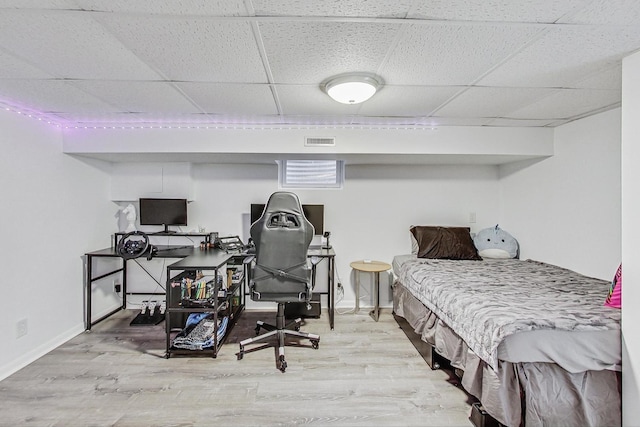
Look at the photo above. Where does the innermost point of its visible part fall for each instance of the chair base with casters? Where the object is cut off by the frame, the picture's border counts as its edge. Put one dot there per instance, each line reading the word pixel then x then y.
pixel 281 331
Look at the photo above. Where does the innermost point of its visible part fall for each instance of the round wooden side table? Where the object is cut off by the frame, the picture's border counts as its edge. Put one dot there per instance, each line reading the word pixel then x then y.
pixel 375 267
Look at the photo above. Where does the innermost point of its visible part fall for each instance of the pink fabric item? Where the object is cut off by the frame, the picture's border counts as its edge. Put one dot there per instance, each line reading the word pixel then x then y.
pixel 614 299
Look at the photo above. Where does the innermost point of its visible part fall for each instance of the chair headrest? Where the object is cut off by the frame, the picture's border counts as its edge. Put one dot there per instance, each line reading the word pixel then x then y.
pixel 283 202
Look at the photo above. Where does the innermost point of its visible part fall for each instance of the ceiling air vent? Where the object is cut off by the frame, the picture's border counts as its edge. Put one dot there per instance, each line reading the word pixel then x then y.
pixel 319 142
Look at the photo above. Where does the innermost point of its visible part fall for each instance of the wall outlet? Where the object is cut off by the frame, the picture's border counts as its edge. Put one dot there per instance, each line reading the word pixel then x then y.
pixel 472 217
pixel 22 327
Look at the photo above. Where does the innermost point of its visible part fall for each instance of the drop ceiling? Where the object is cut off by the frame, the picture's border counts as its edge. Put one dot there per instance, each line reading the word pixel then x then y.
pixel 536 63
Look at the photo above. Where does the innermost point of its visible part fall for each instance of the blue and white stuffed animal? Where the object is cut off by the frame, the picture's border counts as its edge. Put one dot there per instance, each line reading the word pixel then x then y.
pixel 494 242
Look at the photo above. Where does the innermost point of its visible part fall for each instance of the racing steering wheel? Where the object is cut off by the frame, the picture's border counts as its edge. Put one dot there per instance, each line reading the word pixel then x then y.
pixel 133 245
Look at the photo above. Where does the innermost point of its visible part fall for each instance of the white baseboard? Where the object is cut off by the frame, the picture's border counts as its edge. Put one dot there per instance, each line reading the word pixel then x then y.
pixel 33 355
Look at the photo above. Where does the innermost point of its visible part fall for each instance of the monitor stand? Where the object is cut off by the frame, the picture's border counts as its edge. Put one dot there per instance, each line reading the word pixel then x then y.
pixel 163 232
pixel 167 231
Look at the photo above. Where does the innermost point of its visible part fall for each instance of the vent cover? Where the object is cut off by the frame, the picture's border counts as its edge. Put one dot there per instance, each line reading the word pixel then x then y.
pixel 319 141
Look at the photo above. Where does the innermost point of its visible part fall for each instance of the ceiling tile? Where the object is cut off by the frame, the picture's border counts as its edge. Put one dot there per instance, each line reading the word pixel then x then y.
pixel 390 105
pixel 310 52
pixel 155 7
pixel 192 49
pixel 51 96
pixel 64 45
pixel 384 121
pixel 353 8
pixel 569 103
pixel 416 101
pixel 504 122
pixel 146 97
pixel 453 121
pixel 565 55
pixel 439 54
pixel 496 10
pixel 39 4
pixel 308 100
pixel 15 68
pixel 608 12
pixel 232 99
pixel 608 78
pixel 490 101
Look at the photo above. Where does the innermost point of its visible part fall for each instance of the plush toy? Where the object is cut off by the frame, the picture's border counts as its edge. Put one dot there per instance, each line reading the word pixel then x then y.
pixel 614 299
pixel 494 242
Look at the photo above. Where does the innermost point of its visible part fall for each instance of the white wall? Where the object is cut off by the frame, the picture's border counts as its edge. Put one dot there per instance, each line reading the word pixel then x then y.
pixel 55 208
pixel 630 239
pixel 161 180
pixel 566 209
pixel 368 218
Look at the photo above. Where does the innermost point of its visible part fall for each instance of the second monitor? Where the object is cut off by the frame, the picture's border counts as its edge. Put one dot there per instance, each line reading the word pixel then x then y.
pixel 314 213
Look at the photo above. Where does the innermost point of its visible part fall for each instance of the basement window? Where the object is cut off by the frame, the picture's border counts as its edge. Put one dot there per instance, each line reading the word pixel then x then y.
pixel 310 174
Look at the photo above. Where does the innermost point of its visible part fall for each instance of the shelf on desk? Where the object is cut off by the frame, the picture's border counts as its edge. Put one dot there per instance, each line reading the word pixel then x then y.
pixel 171 233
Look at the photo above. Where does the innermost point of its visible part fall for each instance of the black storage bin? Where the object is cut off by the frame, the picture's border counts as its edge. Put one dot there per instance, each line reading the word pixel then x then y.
pixel 293 310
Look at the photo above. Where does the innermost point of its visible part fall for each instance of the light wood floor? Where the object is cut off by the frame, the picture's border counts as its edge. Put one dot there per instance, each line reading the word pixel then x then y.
pixel 364 374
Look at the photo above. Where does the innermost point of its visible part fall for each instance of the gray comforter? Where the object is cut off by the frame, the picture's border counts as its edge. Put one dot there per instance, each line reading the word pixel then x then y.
pixel 486 301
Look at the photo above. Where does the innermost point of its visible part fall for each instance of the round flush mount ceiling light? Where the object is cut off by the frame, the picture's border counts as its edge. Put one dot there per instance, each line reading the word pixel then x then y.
pixel 352 88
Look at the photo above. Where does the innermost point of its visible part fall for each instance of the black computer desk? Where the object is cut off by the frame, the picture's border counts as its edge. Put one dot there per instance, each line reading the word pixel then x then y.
pixel 180 251
pixel 169 251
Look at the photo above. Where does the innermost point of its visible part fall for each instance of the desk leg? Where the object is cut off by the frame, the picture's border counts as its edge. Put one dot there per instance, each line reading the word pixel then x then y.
pixel 357 274
pixel 375 313
pixel 331 291
pixel 167 318
pixel 89 286
pixel 87 308
pixel 313 276
pixel 124 284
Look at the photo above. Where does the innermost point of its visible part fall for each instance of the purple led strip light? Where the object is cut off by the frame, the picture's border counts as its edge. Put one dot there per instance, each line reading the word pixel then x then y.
pixel 227 125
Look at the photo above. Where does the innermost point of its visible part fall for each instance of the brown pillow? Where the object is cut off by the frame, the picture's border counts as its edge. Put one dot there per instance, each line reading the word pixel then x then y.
pixel 445 243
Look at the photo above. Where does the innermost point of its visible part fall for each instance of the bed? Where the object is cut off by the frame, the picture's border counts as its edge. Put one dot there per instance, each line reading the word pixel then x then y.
pixel 531 341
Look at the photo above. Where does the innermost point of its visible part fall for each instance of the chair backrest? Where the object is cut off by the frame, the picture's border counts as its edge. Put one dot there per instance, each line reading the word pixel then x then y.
pixel 282 236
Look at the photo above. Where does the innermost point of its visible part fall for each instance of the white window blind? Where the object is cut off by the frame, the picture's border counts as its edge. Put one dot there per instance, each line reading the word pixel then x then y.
pixel 311 173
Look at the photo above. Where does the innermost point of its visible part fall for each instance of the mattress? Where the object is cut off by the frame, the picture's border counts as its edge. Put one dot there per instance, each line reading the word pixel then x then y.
pixel 594 340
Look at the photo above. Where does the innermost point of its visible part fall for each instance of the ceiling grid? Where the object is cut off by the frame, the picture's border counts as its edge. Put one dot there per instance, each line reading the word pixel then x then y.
pixel 539 63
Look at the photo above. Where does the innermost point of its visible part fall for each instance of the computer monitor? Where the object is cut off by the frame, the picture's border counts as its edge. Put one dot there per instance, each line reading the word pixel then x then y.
pixel 313 213
pixel 163 212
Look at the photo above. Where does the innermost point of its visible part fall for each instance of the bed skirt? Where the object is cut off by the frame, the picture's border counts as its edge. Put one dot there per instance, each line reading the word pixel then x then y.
pixel 531 394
